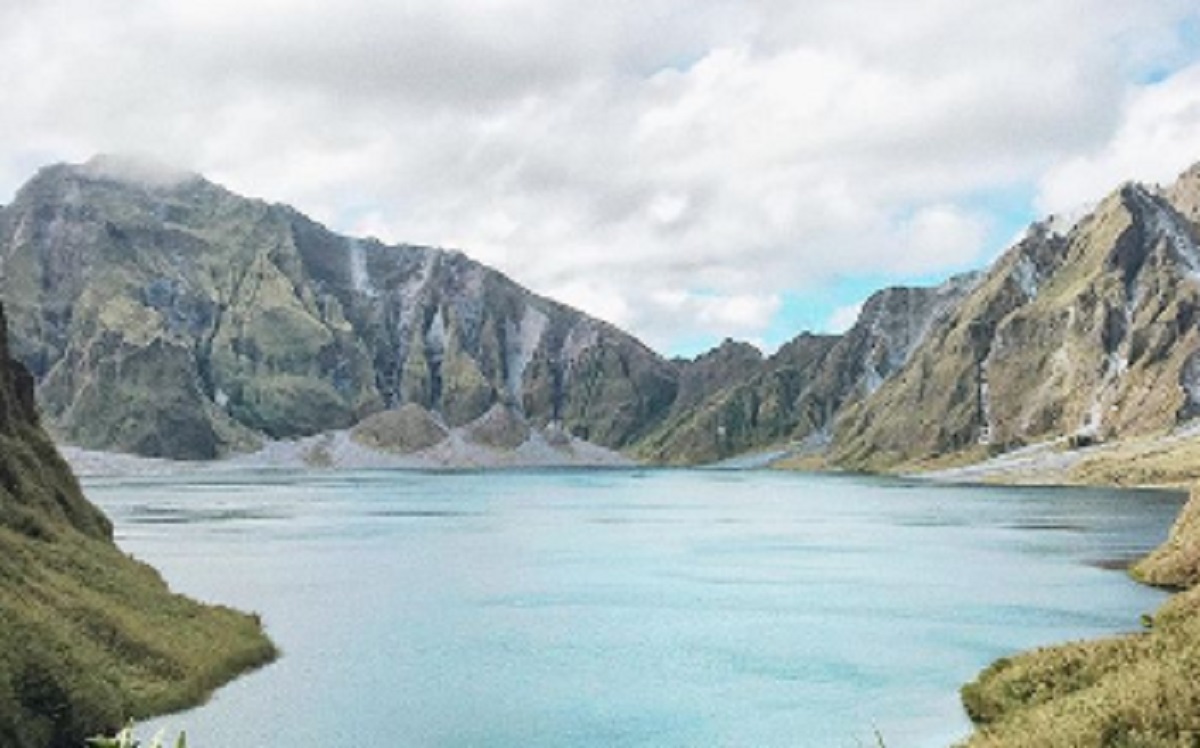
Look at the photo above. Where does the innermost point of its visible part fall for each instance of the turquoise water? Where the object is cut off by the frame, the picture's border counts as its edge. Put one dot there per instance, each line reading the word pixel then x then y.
pixel 628 608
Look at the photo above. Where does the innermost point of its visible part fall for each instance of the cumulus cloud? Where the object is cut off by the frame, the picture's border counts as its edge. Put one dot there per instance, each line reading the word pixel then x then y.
pixel 843 318
pixel 1158 136
pixel 673 166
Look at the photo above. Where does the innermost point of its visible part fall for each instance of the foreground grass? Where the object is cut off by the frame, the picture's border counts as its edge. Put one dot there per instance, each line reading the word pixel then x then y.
pixel 1140 690
pixel 1164 460
pixel 91 637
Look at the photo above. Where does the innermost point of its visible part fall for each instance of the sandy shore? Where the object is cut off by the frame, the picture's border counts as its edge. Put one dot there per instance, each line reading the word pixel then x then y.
pixel 339 451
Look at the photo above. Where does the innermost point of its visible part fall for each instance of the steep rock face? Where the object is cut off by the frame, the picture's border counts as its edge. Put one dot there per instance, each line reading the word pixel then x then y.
pixel 166 316
pixel 757 412
pixel 730 363
pixel 37 490
pixel 1089 332
pixel 91 637
pixel 795 394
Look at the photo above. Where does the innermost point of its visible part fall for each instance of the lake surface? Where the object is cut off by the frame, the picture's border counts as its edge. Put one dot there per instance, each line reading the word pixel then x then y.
pixel 628 608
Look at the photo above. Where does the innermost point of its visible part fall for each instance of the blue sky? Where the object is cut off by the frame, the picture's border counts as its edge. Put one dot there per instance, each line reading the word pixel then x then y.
pixel 687 169
pixel 1010 211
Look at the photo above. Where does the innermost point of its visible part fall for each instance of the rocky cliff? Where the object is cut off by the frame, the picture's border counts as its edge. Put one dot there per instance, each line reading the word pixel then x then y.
pixel 1085 332
pixel 165 316
pixel 91 637
pixel 793 397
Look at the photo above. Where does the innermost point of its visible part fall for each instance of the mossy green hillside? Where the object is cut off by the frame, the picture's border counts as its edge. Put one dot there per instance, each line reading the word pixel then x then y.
pixel 91 637
pixel 1085 333
pixel 171 318
pixel 1136 690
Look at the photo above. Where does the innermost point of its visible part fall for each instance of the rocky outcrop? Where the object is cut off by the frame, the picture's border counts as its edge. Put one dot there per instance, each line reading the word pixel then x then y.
pixel 91 637
pixel 170 317
pixel 407 429
pixel 502 427
pixel 1176 563
pixel 1087 333
pixel 163 315
pixel 1139 689
pixel 792 398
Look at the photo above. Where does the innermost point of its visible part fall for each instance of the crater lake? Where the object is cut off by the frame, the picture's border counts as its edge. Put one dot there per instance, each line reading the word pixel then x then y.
pixel 663 608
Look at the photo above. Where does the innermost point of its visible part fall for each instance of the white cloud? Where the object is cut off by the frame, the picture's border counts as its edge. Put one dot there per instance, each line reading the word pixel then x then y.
pixel 730 151
pixel 1158 136
pixel 843 318
pixel 678 313
pixel 940 235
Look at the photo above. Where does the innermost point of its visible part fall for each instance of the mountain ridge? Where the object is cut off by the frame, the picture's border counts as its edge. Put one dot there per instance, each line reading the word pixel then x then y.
pixel 261 322
pixel 249 322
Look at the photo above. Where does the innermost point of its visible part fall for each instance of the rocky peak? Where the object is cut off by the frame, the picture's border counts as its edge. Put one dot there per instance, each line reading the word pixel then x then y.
pixel 1184 194
pixel 730 362
pixel 252 320
pixel 1087 331
pixel 1161 228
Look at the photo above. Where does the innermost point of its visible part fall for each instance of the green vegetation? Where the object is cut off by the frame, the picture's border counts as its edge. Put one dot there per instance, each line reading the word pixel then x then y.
pixel 1136 690
pixel 91 636
pixel 176 319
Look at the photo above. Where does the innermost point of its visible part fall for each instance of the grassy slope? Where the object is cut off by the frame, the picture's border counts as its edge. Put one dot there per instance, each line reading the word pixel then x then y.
pixel 90 636
pixel 1136 690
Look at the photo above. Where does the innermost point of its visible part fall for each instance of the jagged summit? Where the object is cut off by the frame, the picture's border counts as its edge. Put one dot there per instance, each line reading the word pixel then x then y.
pixel 164 315
pixel 1088 334
pixel 183 320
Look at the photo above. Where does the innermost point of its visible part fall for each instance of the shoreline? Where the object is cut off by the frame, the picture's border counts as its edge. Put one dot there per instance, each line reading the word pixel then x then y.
pixel 992 717
pixel 339 450
pixel 1133 689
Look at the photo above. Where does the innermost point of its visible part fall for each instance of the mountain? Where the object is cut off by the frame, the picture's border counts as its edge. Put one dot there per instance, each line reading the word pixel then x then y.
pixel 1087 332
pixel 166 316
pixel 91 636
pixel 795 395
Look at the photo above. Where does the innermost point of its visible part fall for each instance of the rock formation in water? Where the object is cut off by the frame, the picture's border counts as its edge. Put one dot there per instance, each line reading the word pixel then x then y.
pixel 90 636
